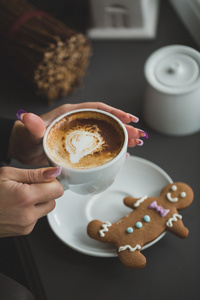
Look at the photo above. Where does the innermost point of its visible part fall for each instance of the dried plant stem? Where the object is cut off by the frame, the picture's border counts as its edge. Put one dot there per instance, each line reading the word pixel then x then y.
pixel 51 56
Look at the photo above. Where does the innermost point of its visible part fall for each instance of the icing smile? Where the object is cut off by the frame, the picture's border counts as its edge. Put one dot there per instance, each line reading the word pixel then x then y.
pixel 170 198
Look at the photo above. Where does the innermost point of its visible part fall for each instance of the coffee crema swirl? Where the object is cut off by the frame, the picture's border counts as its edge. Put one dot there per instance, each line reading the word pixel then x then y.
pixel 84 140
pixel 80 143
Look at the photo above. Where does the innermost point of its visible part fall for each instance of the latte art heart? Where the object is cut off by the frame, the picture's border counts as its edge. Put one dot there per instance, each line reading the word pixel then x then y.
pixel 82 143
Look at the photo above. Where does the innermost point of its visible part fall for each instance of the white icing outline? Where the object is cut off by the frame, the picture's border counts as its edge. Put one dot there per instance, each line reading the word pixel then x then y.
pixel 131 249
pixel 173 219
pixel 139 201
pixel 105 228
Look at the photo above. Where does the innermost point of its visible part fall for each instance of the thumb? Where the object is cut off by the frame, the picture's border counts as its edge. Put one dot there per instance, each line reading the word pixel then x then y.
pixel 33 123
pixel 34 175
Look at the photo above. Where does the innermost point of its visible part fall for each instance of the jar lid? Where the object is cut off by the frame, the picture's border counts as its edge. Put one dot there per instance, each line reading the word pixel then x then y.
pixel 174 69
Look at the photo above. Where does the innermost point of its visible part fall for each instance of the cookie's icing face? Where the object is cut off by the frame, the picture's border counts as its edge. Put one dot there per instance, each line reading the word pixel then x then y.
pixel 172 198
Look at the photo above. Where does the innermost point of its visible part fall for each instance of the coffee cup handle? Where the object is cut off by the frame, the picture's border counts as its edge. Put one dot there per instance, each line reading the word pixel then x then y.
pixel 62 181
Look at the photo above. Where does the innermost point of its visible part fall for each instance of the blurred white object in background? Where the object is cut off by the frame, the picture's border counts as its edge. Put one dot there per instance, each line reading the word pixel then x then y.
pixel 123 19
pixel 189 12
pixel 172 98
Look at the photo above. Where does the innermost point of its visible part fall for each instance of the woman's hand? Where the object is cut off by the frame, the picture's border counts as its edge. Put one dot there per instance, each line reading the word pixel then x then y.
pixel 26 137
pixel 26 196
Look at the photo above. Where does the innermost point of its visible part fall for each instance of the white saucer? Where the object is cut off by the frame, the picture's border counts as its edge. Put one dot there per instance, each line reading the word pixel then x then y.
pixel 73 212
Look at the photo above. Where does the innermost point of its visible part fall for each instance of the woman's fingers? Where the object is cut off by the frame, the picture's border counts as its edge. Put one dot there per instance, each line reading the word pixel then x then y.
pixel 135 135
pixel 33 123
pixel 120 114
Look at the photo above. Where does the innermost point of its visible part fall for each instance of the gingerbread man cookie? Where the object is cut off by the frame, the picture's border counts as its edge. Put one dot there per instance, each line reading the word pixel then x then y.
pixel 151 216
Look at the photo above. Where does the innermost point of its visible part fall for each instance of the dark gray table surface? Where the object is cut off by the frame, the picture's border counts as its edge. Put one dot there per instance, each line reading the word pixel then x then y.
pixel 115 76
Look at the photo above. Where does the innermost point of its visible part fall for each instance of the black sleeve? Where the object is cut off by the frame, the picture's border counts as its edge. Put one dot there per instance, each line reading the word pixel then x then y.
pixel 6 126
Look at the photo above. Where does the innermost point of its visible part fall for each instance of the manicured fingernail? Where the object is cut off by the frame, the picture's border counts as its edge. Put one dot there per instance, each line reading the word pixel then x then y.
pixel 139 142
pixel 143 134
pixel 127 155
pixel 51 172
pixel 20 114
pixel 134 119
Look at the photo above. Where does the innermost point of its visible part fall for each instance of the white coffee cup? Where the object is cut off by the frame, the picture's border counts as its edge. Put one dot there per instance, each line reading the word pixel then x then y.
pixel 93 180
pixel 172 94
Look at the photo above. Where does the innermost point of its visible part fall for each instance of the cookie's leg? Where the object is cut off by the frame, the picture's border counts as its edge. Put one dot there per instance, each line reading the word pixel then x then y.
pixel 131 257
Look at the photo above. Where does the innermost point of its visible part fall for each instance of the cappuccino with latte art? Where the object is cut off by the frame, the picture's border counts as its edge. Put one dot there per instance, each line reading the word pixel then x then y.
pixel 85 140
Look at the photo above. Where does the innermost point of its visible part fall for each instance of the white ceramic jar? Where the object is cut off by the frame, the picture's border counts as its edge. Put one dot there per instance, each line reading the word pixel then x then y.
pixel 172 96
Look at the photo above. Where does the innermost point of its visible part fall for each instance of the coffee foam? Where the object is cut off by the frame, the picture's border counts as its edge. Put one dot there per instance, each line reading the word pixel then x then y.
pixel 80 143
pixel 85 140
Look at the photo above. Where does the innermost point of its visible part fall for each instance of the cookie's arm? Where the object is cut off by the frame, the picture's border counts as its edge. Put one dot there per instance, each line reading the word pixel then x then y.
pixel 176 226
pixel 100 231
pixel 134 202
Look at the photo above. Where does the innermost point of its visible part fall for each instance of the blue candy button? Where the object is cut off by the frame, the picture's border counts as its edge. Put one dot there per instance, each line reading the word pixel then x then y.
pixel 147 218
pixel 138 225
pixel 129 230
